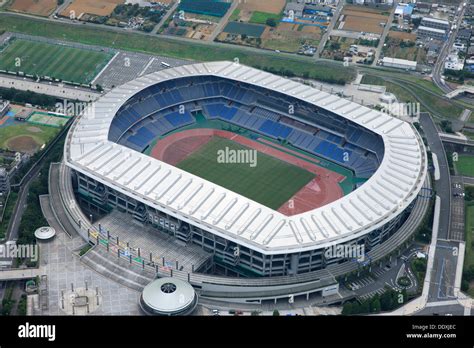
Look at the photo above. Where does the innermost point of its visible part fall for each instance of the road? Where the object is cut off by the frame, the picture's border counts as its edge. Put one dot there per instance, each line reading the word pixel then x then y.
pixel 60 91
pixel 444 51
pixel 325 36
pixel 386 29
pixel 445 258
pixel 165 18
pixel 220 26
pixel 20 206
pixel 443 185
pixel 467 180
pixel 60 8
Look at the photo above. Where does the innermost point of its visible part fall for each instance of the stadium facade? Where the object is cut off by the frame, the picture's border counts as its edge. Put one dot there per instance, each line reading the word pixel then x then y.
pixel 104 150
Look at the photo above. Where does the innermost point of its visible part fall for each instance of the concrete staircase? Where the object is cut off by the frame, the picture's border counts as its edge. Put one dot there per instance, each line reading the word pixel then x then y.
pixel 119 271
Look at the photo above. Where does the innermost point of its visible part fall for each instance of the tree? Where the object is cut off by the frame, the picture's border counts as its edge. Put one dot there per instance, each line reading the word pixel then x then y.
pixel 469 190
pixel 276 313
pixel 347 309
pixel 464 285
pixel 375 304
pixel 271 22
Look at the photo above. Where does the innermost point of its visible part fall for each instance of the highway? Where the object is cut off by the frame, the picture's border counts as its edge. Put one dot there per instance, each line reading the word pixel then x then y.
pixel 441 288
pixel 443 185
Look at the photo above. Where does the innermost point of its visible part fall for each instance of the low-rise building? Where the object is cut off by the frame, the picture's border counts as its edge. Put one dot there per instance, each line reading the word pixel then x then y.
pixel 431 33
pixel 399 63
pixel 435 23
pixel 464 34
pixel 4 181
pixel 4 107
pixel 453 62
pixel 423 7
pixel 294 8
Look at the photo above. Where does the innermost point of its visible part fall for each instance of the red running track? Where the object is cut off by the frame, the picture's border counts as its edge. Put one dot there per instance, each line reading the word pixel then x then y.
pixel 322 190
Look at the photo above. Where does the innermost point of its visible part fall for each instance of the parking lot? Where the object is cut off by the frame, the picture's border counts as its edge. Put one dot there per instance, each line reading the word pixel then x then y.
pixel 457 210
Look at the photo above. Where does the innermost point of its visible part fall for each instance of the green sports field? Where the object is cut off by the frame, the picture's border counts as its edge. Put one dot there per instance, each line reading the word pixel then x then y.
pixel 45 119
pixel 26 137
pixel 56 61
pixel 271 182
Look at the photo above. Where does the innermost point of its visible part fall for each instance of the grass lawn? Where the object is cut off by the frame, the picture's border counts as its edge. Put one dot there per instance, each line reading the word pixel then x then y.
pixel 44 59
pixel 40 134
pixel 300 66
pixel 465 165
pixel 262 17
pixel 271 182
pixel 469 255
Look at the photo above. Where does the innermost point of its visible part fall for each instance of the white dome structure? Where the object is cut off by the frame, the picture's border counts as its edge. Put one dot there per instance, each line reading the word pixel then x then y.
pixel 168 296
pixel 45 233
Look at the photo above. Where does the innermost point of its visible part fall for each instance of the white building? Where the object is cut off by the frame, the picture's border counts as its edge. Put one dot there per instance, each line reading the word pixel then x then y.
pixel 453 62
pixel 399 63
pixel 4 107
pixel 431 33
pixel 435 23
pixel 4 181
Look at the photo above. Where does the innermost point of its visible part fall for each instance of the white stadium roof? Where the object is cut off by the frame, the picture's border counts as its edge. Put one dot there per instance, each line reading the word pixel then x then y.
pixel 386 194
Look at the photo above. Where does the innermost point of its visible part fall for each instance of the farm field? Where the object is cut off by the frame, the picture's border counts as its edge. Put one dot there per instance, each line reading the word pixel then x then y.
pixel 94 7
pixel 35 7
pixel 26 137
pixel 270 6
pixel 271 182
pixel 289 37
pixel 56 61
pixel 401 35
pixel 363 20
pixel 262 17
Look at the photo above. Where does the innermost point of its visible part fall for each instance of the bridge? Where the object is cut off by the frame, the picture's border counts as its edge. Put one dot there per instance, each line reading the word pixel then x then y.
pixel 460 90
pixel 455 139
pixel 19 273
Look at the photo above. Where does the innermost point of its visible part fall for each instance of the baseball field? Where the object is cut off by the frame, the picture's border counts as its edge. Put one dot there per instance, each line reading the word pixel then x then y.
pixel 26 137
pixel 52 60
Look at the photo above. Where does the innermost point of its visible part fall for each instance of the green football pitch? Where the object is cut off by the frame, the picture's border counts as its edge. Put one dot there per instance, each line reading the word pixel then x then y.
pixel 56 61
pixel 271 182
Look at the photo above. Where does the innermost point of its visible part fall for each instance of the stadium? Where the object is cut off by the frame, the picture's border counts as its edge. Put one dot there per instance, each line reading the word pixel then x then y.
pixel 328 171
